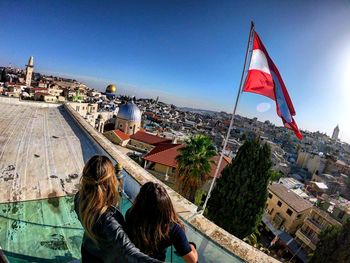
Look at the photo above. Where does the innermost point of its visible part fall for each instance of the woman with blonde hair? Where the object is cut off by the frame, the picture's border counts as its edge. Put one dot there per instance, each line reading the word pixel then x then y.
pixel 153 225
pixel 96 206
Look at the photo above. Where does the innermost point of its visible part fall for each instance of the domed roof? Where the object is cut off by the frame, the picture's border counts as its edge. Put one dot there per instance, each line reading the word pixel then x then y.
pixel 111 88
pixel 129 112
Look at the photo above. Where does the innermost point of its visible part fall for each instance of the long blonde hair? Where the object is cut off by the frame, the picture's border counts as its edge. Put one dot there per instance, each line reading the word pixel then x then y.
pixel 98 191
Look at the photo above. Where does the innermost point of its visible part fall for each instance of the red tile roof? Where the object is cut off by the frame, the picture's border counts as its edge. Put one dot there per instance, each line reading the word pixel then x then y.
pixel 165 153
pixel 225 161
pixel 148 113
pixel 149 138
pixel 123 136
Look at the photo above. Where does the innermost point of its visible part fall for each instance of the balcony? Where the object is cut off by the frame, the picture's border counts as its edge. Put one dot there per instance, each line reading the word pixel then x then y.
pixel 307 240
pixel 315 226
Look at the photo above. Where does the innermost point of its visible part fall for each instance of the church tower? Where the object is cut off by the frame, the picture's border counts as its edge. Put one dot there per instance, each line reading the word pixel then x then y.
pixel 29 71
pixel 335 133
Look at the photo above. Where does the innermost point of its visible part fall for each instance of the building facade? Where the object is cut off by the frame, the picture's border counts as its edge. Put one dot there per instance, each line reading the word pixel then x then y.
pixel 285 209
pixel 335 134
pixel 29 71
pixel 317 221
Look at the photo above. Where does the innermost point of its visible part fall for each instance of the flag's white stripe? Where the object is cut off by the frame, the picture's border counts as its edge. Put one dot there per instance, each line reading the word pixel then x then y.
pixel 259 61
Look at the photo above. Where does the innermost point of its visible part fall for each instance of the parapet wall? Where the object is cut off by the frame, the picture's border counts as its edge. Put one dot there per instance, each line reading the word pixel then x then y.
pixel 41 104
pixel 185 209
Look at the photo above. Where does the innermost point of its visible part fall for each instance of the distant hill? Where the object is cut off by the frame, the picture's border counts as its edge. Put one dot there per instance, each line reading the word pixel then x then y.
pixel 199 111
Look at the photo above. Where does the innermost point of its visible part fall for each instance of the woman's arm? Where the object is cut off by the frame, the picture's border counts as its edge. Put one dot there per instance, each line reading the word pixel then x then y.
pixel 186 250
pixel 191 257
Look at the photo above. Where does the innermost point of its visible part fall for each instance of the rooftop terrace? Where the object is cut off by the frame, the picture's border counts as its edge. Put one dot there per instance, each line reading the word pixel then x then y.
pixel 43 150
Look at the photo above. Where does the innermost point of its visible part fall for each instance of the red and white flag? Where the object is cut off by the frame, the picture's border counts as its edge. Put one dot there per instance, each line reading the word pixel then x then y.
pixel 264 78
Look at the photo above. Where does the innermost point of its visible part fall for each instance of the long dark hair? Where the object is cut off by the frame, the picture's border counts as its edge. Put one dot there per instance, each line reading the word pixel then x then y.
pixel 98 191
pixel 150 218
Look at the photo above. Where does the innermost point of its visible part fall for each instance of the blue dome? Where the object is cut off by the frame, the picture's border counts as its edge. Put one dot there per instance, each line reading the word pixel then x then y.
pixel 129 112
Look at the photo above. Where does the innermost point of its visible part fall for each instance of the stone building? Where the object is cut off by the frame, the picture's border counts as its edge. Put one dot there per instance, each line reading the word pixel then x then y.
pixel 317 221
pixel 43 96
pixel 29 71
pixel 335 134
pixel 314 163
pixel 285 209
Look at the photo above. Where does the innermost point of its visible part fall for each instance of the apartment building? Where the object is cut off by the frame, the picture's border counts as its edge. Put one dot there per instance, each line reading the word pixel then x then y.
pixel 285 209
pixel 317 221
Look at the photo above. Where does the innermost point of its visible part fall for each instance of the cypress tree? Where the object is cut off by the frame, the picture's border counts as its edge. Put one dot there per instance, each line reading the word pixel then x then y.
pixel 239 197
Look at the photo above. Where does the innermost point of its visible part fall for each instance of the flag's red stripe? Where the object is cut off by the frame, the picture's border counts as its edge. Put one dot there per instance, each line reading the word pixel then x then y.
pixel 259 82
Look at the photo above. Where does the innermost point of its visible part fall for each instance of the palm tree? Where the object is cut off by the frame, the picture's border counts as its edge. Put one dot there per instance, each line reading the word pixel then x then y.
pixel 194 165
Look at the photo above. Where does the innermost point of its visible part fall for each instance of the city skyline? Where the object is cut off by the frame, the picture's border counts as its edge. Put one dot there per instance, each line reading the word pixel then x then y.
pixel 186 50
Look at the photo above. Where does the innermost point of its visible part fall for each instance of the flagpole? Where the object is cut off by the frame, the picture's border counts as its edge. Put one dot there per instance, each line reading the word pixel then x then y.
pixel 231 123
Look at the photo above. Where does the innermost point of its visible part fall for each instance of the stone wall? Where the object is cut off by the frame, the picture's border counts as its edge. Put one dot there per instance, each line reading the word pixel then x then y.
pixel 11 100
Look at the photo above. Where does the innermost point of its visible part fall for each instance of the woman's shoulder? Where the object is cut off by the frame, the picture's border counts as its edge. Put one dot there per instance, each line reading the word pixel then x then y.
pixel 176 229
pixel 113 213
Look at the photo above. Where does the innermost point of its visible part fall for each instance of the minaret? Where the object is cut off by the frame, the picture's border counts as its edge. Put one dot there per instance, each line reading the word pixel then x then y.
pixel 29 71
pixel 335 133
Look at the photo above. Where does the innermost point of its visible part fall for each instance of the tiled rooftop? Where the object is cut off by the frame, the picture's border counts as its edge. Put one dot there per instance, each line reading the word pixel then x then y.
pixel 289 197
pixel 166 153
pixel 148 138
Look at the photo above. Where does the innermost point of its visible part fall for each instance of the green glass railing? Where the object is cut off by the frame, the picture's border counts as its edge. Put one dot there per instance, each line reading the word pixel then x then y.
pixel 44 230
pixel 48 231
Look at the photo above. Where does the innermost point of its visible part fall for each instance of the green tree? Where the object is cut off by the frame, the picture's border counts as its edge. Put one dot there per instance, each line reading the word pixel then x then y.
pixel 239 197
pixel 275 175
pixel 334 245
pixel 194 165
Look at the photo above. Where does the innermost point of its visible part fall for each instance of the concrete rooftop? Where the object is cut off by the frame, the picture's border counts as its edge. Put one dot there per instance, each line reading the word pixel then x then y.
pixel 42 151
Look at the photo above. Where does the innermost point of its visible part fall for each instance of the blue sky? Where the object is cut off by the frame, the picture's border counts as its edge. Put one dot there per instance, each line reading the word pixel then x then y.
pixel 191 52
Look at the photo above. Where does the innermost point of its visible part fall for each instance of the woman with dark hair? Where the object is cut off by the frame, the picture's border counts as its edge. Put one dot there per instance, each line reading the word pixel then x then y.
pixel 153 225
pixel 96 206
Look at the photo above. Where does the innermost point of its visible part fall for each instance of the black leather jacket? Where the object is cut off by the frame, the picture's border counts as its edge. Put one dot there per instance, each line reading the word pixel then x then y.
pixel 114 245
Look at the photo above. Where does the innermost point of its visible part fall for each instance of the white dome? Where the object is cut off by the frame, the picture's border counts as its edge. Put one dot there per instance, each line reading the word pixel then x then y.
pixel 129 112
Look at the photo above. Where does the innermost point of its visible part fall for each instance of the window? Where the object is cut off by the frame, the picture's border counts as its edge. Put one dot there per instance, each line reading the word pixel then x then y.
pixel 289 212
pixel 299 216
pixel 120 125
pixel 279 203
pixel 341 215
pixel 270 195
